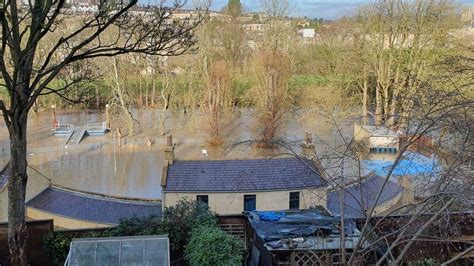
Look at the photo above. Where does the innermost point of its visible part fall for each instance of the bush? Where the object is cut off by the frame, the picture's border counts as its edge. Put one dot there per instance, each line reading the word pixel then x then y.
pixel 179 221
pixel 139 226
pixel 56 245
pixel 425 262
pixel 209 245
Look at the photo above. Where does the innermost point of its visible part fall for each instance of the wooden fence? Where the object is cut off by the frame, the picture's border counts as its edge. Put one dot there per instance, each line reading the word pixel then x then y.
pixel 36 232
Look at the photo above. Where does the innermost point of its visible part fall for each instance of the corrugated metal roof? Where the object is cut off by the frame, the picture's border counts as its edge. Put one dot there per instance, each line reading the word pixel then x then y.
pixel 88 207
pixel 242 175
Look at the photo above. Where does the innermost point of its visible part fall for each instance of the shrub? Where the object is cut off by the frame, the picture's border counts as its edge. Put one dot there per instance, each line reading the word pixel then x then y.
pixel 179 220
pixel 56 245
pixel 137 226
pixel 425 262
pixel 209 245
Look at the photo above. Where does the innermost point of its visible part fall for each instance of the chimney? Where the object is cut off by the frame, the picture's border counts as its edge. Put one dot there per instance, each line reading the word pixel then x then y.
pixel 169 158
pixel 169 150
pixel 307 147
pixel 408 196
pixel 308 151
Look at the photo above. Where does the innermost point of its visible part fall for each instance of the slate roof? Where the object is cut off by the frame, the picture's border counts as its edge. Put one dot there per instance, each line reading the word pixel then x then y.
pixel 367 191
pixel 242 175
pixel 4 176
pixel 88 207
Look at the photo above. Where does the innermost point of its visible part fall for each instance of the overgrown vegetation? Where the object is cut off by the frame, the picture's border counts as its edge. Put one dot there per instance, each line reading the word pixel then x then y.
pixel 186 223
pixel 209 245
pixel 56 245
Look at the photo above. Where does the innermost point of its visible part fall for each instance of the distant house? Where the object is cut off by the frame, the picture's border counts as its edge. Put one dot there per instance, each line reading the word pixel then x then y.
pixel 377 139
pixel 307 33
pixel 233 186
pixel 255 28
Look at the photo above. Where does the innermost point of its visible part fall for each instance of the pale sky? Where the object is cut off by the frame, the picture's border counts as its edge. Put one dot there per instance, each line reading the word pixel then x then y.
pixel 328 9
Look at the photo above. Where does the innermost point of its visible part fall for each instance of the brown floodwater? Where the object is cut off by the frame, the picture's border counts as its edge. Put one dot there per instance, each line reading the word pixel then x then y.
pixel 99 165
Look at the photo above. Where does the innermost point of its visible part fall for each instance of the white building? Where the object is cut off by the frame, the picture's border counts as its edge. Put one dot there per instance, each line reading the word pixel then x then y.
pixel 377 139
pixel 307 33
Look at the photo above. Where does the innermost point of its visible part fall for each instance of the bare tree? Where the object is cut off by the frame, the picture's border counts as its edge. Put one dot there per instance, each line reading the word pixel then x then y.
pixel 27 71
pixel 398 41
pixel 166 100
pixel 120 99
pixel 271 94
pixel 217 87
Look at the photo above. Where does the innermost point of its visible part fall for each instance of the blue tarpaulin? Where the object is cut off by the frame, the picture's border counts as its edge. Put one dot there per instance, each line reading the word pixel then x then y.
pixel 270 216
pixel 411 163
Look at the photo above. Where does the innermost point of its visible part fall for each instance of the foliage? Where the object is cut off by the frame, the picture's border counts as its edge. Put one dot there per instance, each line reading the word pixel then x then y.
pixel 56 245
pixel 234 8
pixel 209 245
pixel 179 220
pixel 425 262
pixel 299 81
pixel 271 94
pixel 137 226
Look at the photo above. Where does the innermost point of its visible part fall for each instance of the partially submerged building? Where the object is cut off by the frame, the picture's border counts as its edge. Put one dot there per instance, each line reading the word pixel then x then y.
pixel 75 210
pixel 377 139
pixel 360 197
pixel 233 186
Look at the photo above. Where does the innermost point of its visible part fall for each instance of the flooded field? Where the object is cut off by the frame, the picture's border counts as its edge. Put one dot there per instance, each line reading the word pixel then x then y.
pixel 99 165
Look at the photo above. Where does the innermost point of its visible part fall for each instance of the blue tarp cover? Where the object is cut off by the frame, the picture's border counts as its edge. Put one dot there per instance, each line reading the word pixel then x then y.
pixel 411 163
pixel 270 216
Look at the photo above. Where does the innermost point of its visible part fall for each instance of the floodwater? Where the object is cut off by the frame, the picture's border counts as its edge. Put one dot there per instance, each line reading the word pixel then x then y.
pixel 133 170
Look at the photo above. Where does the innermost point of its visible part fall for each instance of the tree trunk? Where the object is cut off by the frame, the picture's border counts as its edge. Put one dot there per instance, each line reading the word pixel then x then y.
pixel 153 94
pixel 395 94
pixel 365 89
pixel 146 92
pixel 140 96
pixel 97 97
pixel 17 233
pixel 378 106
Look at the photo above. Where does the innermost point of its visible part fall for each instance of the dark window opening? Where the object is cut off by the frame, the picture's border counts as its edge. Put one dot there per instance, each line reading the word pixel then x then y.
pixel 294 200
pixel 203 198
pixel 250 202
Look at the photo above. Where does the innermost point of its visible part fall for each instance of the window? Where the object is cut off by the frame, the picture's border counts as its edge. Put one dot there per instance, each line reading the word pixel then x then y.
pixel 250 202
pixel 294 200
pixel 203 198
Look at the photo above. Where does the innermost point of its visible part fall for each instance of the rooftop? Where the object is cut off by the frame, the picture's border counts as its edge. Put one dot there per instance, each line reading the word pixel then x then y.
pixel 242 175
pixel 92 208
pixel 362 196
pixel 301 230
pixel 129 250
pixel 411 163
pixel 380 131
pixel 4 175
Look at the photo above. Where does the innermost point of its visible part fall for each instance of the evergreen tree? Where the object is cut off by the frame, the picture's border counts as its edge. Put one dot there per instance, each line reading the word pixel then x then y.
pixel 234 8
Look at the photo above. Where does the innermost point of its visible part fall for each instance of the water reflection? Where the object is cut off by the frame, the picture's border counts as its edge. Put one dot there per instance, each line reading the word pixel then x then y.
pixel 137 172
pixel 138 166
